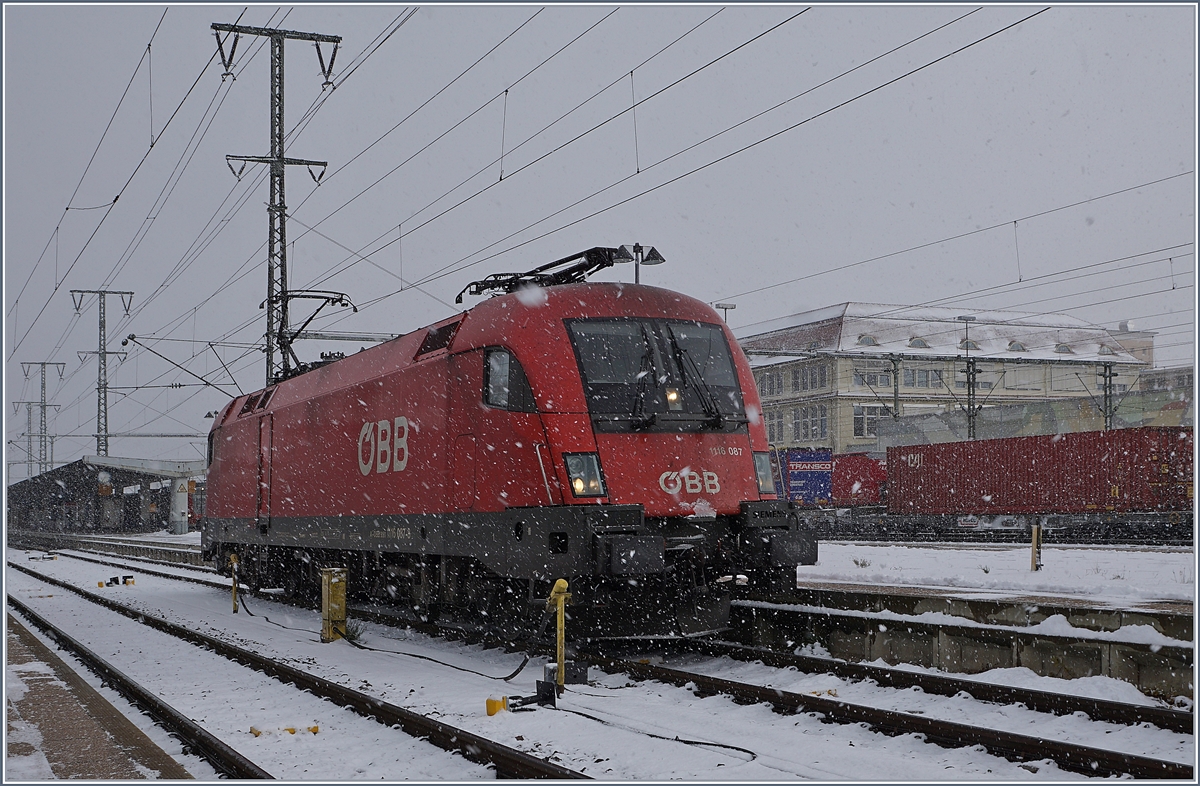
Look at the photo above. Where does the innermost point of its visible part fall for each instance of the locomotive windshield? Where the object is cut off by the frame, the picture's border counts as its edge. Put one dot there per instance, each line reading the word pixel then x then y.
pixel 657 375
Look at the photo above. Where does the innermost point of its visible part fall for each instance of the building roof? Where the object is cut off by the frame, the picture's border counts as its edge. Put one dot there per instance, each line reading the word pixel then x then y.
pixel 876 330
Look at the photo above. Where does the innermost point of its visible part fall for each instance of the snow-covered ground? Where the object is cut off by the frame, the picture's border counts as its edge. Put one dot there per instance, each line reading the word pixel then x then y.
pixel 1117 576
pixel 612 729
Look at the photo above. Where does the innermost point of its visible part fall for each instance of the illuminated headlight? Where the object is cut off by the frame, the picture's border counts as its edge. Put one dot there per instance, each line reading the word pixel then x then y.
pixel 762 468
pixel 674 401
pixel 583 471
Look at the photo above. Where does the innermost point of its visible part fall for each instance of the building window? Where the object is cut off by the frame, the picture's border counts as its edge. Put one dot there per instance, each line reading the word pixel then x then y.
pixel 922 378
pixel 865 419
pixel 1066 379
pixel 916 342
pixel 1023 377
pixel 775 427
pixel 1063 349
pixel 867 341
pixel 968 343
pixel 810 423
pixel 1016 346
pixel 873 376
pixel 770 383
pixel 812 377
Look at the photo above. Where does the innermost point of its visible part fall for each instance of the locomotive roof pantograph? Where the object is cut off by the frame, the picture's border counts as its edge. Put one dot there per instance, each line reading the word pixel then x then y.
pixel 571 269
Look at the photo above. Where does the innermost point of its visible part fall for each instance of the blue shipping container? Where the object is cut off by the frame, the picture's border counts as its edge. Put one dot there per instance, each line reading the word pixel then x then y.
pixel 809 474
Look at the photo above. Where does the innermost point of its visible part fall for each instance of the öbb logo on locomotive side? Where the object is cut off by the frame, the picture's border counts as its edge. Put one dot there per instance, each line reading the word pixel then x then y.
pixel 689 481
pixel 383 446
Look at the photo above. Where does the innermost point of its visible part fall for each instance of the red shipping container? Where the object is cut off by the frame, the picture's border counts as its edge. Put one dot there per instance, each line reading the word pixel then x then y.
pixel 858 479
pixel 1126 470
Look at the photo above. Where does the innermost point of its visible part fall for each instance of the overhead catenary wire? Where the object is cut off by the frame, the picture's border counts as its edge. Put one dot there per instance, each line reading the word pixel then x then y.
pixel 452 128
pixel 107 212
pixel 88 166
pixel 73 321
pixel 210 231
pixel 238 276
pixel 179 267
pixel 429 100
pixel 72 324
pixel 958 236
pixel 598 126
pixel 341 267
pixel 515 83
pixel 455 267
pixel 458 264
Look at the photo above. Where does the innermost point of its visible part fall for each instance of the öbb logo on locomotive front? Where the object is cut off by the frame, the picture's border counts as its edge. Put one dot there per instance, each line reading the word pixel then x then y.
pixel 689 481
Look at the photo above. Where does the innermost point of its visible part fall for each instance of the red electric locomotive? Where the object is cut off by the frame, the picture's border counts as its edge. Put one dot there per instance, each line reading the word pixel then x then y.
pixel 608 434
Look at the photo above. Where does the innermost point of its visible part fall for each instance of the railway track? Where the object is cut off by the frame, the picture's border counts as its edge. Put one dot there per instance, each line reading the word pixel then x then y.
pixel 937 684
pixel 508 762
pixel 156 551
pixel 1015 747
pixel 942 685
pixel 773 629
pixel 194 737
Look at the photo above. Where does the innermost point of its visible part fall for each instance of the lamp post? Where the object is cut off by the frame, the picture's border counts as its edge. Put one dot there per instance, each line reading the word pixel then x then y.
pixel 635 252
pixel 971 373
pixel 726 307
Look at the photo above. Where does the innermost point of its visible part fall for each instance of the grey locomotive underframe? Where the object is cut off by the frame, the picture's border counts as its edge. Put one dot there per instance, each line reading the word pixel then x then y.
pixel 542 543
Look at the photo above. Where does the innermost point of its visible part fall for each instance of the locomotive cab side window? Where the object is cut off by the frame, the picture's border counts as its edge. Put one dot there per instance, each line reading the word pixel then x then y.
pixel 505 385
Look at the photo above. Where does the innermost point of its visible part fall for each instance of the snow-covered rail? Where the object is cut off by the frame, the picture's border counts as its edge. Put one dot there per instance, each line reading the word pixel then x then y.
pixel 1017 747
pixel 222 757
pixel 1182 721
pixel 508 762
pixel 666 721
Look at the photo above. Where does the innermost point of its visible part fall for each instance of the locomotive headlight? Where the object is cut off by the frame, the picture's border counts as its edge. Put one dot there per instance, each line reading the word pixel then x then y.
pixel 762 469
pixel 674 402
pixel 583 470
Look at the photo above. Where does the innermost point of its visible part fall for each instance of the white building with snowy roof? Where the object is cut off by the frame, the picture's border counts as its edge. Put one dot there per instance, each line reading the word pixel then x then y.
pixel 828 376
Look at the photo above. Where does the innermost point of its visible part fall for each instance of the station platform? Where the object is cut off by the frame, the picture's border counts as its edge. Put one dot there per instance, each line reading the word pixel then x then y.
pixel 1007 607
pixel 57 722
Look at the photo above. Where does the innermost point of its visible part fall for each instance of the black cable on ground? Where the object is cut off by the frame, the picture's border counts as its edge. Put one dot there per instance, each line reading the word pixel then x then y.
pixel 242 598
pixel 747 751
pixel 355 644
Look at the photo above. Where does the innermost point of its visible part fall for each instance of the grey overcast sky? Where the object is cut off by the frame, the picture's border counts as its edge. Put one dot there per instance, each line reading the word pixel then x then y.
pixel 780 157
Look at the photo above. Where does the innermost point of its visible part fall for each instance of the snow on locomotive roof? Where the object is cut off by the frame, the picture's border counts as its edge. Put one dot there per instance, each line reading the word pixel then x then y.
pixel 874 329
